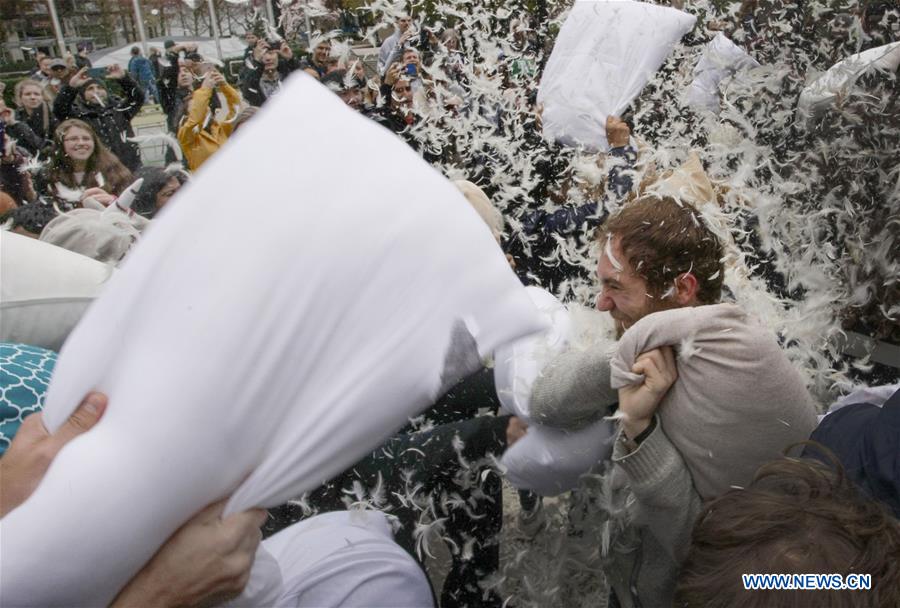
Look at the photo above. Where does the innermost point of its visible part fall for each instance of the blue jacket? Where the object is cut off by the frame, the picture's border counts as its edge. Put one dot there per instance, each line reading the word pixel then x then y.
pixel 141 70
pixel 866 439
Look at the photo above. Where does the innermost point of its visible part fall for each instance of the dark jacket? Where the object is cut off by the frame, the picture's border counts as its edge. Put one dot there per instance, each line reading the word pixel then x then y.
pixel 42 122
pixel 111 122
pixel 866 440
pixel 250 88
pixel 173 99
pixel 26 138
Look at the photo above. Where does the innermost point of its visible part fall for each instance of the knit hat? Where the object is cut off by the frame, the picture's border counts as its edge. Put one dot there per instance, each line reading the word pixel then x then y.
pixel 89 82
pixel 105 237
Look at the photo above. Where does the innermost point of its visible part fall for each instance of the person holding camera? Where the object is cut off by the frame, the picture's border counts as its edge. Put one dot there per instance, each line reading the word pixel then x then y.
pixel 273 61
pixel 200 133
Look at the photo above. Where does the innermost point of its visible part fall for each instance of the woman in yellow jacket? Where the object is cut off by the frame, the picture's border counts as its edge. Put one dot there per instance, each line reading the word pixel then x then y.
pixel 200 134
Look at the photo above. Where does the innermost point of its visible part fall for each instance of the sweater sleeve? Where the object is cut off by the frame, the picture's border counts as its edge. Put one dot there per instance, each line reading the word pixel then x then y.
pixel 234 105
pixel 195 116
pixel 668 504
pixel 573 390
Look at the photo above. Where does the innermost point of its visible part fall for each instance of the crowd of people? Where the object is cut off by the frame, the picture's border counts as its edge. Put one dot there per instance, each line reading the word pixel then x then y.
pixel 717 461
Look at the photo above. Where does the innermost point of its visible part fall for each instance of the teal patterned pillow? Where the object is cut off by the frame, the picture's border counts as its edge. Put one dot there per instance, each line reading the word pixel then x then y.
pixel 24 377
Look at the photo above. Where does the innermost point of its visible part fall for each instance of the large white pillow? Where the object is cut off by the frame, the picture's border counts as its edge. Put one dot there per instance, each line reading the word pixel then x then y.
pixel 546 460
pixel 44 290
pixel 606 52
pixel 299 300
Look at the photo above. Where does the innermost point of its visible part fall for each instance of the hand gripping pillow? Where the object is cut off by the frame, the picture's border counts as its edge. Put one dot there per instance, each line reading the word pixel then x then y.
pixel 278 322
pixel 45 290
pixel 737 403
pixel 720 58
pixel 606 52
pixel 546 460
pixel 843 75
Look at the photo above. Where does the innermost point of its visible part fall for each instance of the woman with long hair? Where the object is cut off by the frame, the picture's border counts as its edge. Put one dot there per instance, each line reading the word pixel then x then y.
pixel 81 166
pixel 34 109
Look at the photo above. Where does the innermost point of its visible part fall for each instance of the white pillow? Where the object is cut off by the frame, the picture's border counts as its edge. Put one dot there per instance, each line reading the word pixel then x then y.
pixel 275 324
pixel 606 52
pixel 45 290
pixel 842 75
pixel 347 559
pixel 519 363
pixel 720 58
pixel 551 461
pixel 546 460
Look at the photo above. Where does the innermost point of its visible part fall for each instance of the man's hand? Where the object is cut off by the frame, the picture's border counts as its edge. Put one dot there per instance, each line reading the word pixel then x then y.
pixel 212 79
pixel 617 132
pixel 115 72
pixel 515 430
pixel 207 561
pixel 80 77
pixel 638 403
pixel 259 50
pixel 393 74
pixel 33 449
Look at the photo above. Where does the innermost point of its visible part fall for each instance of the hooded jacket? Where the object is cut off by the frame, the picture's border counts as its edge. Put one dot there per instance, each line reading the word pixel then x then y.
pixel 111 122
pixel 199 143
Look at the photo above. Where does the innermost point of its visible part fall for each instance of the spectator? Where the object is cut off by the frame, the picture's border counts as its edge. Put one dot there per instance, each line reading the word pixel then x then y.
pixel 88 99
pixel 273 61
pixel 200 134
pixel 15 177
pixel 320 58
pixel 403 31
pixel 408 59
pixel 81 166
pixel 59 72
pixel 346 87
pixel 34 110
pixel 19 132
pixel 81 57
pixel 30 220
pixel 796 517
pixel 176 83
pixel 41 72
pixel 159 186
pixel 155 59
pixel 141 70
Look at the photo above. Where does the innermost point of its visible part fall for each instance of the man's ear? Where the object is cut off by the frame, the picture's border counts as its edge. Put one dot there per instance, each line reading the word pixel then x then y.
pixel 686 286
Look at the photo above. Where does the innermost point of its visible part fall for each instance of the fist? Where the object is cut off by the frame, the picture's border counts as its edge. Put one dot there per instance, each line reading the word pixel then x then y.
pixel 617 132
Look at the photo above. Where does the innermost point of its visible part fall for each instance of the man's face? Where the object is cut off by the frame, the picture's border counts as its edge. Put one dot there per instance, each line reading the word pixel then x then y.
pixel 251 39
pixel 352 97
pixel 44 65
pixel 623 294
pixel 270 59
pixel 94 93
pixel 401 93
pixel 411 56
pixel 403 23
pixel 185 78
pixel 321 52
